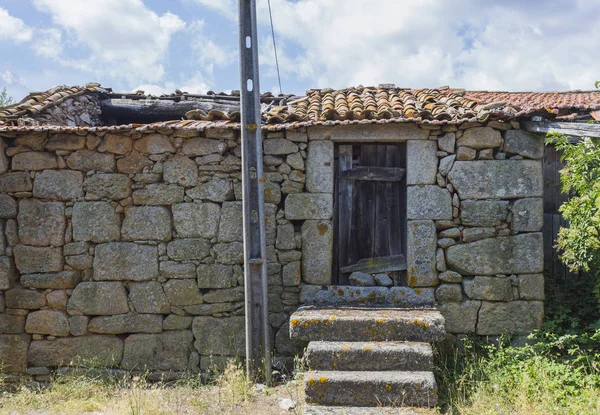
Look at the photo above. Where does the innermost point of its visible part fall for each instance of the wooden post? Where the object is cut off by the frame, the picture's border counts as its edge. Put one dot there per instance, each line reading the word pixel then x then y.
pixel 258 336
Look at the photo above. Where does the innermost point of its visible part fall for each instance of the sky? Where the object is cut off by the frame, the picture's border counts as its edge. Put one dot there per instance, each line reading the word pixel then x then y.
pixel 161 45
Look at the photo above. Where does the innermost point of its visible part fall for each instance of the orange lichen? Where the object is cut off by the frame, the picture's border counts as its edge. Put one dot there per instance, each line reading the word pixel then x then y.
pixel 367 349
pixel 417 388
pixel 388 387
pixel 381 320
pixel 417 291
pixel 295 322
pixel 322 379
pixel 311 382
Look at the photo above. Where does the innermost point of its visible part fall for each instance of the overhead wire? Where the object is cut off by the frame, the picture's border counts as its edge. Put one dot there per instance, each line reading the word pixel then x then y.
pixel 275 47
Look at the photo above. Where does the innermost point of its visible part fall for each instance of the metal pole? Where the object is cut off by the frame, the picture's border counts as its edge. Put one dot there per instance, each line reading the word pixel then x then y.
pixel 258 336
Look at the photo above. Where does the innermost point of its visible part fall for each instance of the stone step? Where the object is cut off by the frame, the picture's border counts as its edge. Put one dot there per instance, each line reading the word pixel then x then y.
pixel 367 324
pixel 370 389
pixel 370 356
pixel 357 410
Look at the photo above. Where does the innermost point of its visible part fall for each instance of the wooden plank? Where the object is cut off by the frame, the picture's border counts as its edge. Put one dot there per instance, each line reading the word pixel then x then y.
pixel 345 207
pixel 394 201
pixel 364 217
pixel 383 174
pixel 382 235
pixel 381 264
pixel 566 128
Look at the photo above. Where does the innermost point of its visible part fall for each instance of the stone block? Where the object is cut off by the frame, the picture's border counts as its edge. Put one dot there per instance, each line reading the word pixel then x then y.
pixel 285 345
pixel 95 222
pixel 428 202
pixel 497 179
pixel 33 140
pixel 361 279
pixel 116 144
pixel 295 161
pixel 34 161
pixel 8 207
pixel 219 336
pixel 125 261
pixel 134 162
pixel 448 293
pixel 175 322
pixel 172 269
pixel 196 219
pixel 57 299
pixel 7 272
pixel 58 185
pixel 446 164
pixel 87 160
pixel 405 297
pixel 488 288
pixel 519 254
pixel 528 215
pixel 181 170
pixel 229 253
pixel 94 351
pixel 188 249
pixel 461 318
pixel 65 141
pixel 371 133
pixel 230 225
pixel 56 281
pixel 215 190
pixel 111 186
pixel 319 167
pixel 279 146
pixel 465 153
pixel 154 144
pixel 450 276
pixel 531 286
pixel 447 142
pixel 480 138
pixel 167 351
pixel 33 259
pixel 421 261
pixel 13 352
pixel 159 194
pixel 47 322
pixel 80 262
pixel 183 292
pixel 227 295
pixel 203 146
pixel 11 324
pixel 317 251
pixel 15 182
pixel 25 299
pixel 286 237
pixel 515 317
pixel 215 276
pixel 292 274
pixel 76 248
pixel 524 144
pixel 383 280
pixel 303 206
pixel 147 223
pixel 78 325
pixel 272 192
pixel 98 298
pixel 149 297
pixel 421 161
pixel 484 212
pixel 41 223
pixel 475 234
pixel 4 163
pixel 126 323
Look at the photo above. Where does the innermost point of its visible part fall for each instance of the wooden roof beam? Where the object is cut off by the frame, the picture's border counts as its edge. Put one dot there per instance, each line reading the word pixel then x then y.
pixel 566 128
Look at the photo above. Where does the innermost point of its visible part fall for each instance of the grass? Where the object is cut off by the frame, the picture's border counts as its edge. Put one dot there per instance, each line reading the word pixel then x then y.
pixel 89 391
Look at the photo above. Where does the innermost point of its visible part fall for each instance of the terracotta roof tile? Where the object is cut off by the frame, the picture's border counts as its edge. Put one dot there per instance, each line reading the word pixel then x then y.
pixel 362 105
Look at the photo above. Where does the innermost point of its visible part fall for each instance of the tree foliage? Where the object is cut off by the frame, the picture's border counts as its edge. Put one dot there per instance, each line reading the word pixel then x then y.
pixel 4 98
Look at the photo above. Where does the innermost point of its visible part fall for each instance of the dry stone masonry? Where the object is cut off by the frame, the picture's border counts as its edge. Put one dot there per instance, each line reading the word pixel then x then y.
pixel 126 248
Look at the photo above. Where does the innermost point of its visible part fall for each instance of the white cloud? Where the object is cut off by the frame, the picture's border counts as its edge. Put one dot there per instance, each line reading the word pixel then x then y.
pixel 208 53
pixel 509 45
pixel 9 78
pixel 126 40
pixel 228 8
pixel 48 43
pixel 13 28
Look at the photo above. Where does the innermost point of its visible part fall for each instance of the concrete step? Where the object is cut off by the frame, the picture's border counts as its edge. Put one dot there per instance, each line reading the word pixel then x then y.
pixel 357 410
pixel 370 356
pixel 370 389
pixel 367 324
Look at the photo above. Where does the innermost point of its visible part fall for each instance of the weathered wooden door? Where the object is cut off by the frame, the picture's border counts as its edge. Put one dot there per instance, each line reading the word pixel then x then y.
pixel 371 208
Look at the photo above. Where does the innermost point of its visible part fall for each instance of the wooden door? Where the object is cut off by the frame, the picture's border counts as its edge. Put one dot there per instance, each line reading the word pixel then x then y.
pixel 371 208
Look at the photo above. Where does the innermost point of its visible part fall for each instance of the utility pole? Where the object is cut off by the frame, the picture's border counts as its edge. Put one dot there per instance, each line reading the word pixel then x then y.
pixel 258 336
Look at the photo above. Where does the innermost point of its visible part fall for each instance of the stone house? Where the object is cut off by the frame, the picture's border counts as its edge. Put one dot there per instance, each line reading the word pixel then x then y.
pixel 121 224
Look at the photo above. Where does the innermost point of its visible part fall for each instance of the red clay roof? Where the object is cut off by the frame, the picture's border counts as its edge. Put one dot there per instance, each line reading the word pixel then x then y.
pixel 364 105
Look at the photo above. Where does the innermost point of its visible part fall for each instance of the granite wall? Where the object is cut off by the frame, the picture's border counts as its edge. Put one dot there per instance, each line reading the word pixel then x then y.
pixel 125 248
